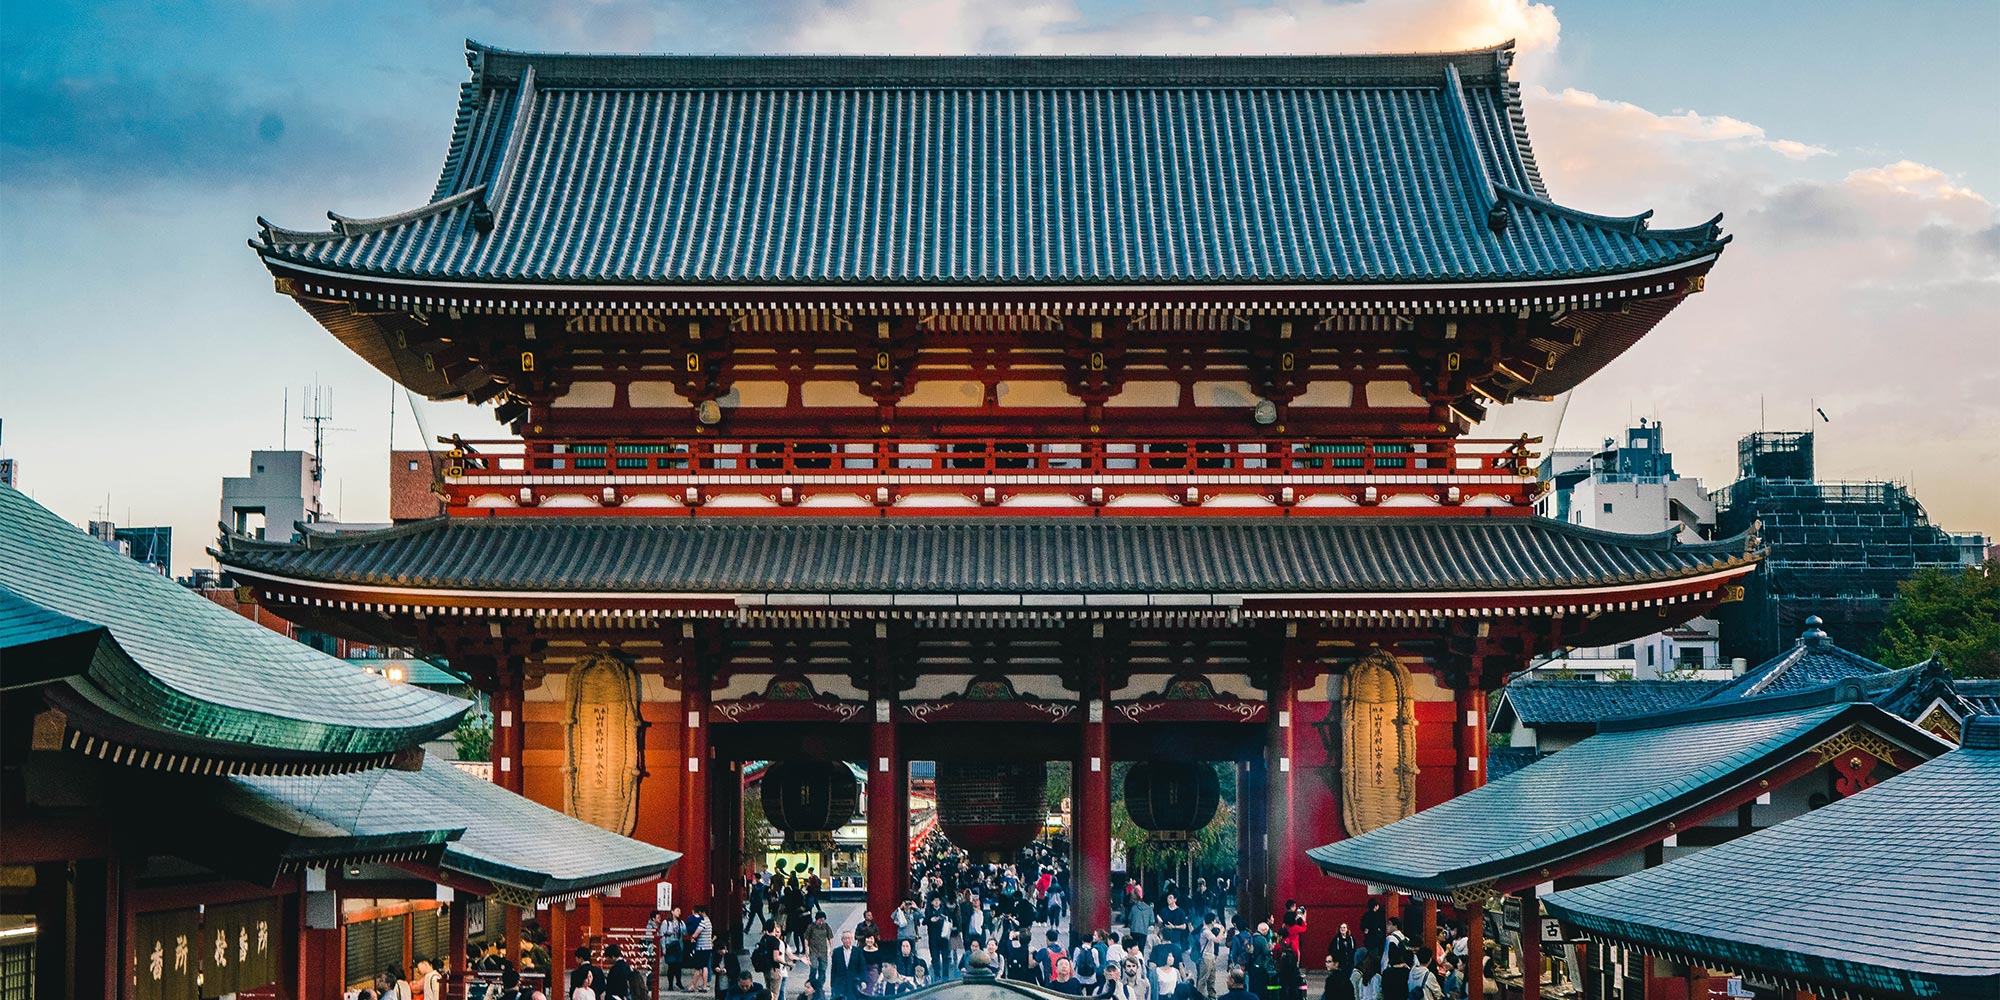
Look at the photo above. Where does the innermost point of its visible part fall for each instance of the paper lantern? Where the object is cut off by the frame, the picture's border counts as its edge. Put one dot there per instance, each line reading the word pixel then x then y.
pixel 807 800
pixel 1172 798
pixel 992 809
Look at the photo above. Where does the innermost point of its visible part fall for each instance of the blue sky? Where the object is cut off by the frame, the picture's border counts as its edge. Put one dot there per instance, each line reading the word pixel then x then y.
pixel 1855 148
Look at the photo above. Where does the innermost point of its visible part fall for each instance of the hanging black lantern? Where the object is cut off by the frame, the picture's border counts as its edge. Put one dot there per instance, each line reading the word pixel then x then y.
pixel 1172 799
pixel 992 809
pixel 807 800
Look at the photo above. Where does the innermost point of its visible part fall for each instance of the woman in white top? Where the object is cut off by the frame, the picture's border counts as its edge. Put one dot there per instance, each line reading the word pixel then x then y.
pixel 1168 975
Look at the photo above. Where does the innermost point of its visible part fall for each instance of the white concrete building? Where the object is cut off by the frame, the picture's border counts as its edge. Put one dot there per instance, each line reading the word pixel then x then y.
pixel 281 490
pixel 1631 488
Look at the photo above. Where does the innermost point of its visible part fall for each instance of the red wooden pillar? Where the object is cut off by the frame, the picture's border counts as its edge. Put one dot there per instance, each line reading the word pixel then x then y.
pixel 1475 951
pixel 508 730
pixel 559 948
pixel 1281 750
pixel 455 969
pixel 888 816
pixel 1471 765
pixel 696 874
pixel 726 864
pixel 1091 805
pixel 1531 944
pixel 510 934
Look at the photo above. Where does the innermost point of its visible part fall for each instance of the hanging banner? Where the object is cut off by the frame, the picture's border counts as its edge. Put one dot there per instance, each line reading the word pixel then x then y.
pixel 164 953
pixel 239 947
pixel 1379 744
pixel 603 736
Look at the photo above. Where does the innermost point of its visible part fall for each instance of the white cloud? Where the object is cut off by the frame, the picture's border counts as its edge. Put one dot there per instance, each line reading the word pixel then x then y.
pixel 1058 27
pixel 1875 294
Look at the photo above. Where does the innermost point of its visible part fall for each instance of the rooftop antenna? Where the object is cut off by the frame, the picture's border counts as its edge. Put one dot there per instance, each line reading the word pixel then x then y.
pixel 317 410
pixel 284 421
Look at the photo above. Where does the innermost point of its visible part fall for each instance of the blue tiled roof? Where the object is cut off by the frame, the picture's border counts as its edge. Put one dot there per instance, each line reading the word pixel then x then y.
pixel 960 555
pixel 1503 761
pixel 1983 696
pixel 507 839
pixel 179 664
pixel 1627 777
pixel 1811 662
pixel 1028 171
pixel 1586 703
pixel 1892 892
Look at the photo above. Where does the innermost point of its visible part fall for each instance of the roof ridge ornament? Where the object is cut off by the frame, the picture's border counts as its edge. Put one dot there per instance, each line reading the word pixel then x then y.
pixel 485 212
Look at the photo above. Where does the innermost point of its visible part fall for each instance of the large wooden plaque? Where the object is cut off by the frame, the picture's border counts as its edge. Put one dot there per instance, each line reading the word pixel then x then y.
pixel 1379 740
pixel 604 763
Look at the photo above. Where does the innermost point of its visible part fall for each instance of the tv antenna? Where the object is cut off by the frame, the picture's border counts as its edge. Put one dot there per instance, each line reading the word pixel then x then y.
pixel 316 408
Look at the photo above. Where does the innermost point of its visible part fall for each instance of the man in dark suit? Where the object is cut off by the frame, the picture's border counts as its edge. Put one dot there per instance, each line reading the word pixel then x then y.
pixel 844 969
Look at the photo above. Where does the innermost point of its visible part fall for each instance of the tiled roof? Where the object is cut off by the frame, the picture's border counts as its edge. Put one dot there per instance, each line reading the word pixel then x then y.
pixel 1586 703
pixel 178 664
pixel 508 839
pixel 1629 776
pixel 1025 171
pixel 1892 892
pixel 985 555
pixel 1812 662
pixel 1983 696
pixel 1503 761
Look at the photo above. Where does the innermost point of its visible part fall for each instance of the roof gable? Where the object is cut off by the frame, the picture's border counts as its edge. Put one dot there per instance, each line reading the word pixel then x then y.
pixel 1586 703
pixel 507 839
pixel 1631 774
pixel 1930 827
pixel 778 171
pixel 179 663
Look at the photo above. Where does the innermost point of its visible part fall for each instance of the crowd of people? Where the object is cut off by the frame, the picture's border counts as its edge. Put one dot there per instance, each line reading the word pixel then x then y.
pixel 1386 964
pixel 1007 920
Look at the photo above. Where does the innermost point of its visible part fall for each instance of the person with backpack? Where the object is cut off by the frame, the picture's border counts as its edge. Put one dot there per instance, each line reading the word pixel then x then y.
pixel 1424 983
pixel 1088 963
pixel 1046 958
pixel 764 960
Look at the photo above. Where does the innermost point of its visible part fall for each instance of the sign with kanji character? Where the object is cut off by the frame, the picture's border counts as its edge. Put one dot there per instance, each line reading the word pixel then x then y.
pixel 165 944
pixel 240 946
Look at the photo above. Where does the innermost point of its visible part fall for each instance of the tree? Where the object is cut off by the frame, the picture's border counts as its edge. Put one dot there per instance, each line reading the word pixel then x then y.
pixel 474 737
pixel 1953 614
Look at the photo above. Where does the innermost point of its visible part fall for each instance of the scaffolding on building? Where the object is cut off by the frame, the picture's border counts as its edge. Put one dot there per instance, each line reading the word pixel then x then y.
pixel 1838 550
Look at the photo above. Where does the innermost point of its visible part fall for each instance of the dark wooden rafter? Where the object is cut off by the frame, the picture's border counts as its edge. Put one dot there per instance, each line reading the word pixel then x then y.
pixel 489 653
pixel 705 369
pixel 1281 358
pixel 886 355
pixel 1094 350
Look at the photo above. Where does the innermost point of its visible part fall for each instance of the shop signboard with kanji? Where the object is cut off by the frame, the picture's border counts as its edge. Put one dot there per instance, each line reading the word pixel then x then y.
pixel 239 947
pixel 165 946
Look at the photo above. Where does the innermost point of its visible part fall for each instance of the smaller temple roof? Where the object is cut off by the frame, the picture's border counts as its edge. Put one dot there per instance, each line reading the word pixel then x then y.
pixel 1539 703
pixel 1632 775
pixel 727 557
pixel 1815 662
pixel 507 840
pixel 1811 662
pixel 1891 892
pixel 1983 696
pixel 152 666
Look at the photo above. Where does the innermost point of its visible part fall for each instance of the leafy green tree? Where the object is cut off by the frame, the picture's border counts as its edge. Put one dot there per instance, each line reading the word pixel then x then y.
pixel 1953 614
pixel 474 737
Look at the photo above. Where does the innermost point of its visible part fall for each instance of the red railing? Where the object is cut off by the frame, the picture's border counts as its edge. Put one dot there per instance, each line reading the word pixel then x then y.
pixel 517 461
